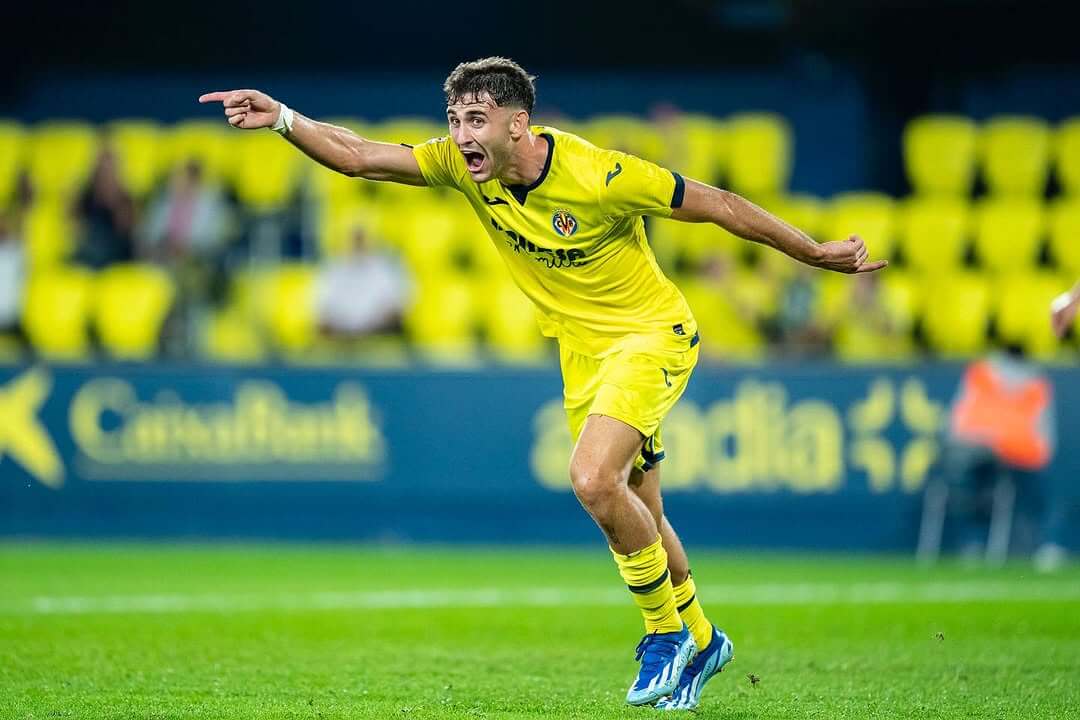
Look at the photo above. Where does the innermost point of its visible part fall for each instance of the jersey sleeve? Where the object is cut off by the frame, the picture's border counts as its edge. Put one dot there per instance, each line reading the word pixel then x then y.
pixel 440 163
pixel 632 186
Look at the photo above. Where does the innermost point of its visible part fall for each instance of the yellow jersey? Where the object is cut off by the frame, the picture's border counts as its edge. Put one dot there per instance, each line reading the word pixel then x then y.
pixel 574 240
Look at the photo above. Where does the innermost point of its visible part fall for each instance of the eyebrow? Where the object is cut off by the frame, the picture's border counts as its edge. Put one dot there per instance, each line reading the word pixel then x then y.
pixel 467 113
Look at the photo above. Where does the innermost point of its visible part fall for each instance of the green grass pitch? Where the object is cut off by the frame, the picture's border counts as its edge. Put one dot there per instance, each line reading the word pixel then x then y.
pixel 287 631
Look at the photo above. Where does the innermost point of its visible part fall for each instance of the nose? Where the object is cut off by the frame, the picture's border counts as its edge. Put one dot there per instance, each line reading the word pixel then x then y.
pixel 461 135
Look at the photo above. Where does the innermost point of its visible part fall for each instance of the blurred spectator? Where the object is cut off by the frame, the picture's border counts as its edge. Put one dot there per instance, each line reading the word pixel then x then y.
pixel 184 228
pixel 1001 437
pixel 12 270
pixel 869 328
pixel 799 332
pixel 363 292
pixel 188 219
pixel 106 213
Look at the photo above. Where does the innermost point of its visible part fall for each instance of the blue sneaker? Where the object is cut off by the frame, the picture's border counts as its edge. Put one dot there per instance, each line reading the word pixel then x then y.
pixel 663 657
pixel 709 662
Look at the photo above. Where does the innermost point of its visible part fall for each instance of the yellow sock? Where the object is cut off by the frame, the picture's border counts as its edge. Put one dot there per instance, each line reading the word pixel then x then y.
pixel 691 613
pixel 646 574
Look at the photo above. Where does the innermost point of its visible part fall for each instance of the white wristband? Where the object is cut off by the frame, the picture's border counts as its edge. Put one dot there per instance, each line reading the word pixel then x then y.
pixel 283 124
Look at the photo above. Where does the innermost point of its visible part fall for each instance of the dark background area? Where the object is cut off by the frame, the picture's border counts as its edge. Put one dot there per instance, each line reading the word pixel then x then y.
pixel 842 70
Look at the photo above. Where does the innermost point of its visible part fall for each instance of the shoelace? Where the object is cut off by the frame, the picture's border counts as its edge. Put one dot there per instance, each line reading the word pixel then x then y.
pixel 655 649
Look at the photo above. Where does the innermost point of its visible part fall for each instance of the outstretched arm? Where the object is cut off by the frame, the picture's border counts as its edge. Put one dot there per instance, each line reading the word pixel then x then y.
pixel 739 216
pixel 335 147
pixel 1063 310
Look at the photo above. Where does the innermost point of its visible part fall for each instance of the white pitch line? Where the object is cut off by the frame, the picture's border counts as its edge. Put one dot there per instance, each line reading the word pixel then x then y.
pixel 760 594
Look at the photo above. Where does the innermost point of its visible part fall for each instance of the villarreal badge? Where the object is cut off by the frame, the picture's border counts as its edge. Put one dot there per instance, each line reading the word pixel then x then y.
pixel 564 223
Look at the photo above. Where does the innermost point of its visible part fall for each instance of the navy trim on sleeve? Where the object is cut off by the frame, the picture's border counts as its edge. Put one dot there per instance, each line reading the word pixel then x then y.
pixel 680 190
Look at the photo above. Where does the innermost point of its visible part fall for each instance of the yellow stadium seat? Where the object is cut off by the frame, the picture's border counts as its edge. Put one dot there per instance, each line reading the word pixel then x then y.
pixel 940 153
pixel 231 337
pixel 695 146
pixel 1065 234
pixel 57 311
pixel 290 317
pixel 1008 233
pixel 61 157
pixel 265 172
pixel 933 232
pixel 872 216
pixel 957 313
pixel 139 153
pixel 508 319
pixel 627 133
pixel 760 157
pixel 12 150
pixel 727 331
pixel 207 142
pixel 1067 155
pixel 1016 155
pixel 131 304
pixel 442 320
pixel 1022 301
pixel 49 233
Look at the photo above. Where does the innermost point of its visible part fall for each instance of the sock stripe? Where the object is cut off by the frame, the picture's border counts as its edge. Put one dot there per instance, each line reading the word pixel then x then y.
pixel 645 589
pixel 688 603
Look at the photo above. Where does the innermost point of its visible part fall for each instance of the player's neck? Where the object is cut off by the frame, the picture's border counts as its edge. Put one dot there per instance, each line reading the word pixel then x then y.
pixel 527 164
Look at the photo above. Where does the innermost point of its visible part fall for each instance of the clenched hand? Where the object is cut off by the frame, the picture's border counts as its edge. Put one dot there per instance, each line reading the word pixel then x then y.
pixel 848 256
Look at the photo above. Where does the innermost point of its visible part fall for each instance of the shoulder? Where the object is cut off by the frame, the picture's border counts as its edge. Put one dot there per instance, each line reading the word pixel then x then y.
pixel 440 162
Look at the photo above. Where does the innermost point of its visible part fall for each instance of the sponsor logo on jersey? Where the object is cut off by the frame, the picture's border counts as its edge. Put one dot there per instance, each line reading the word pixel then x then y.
pixel 559 258
pixel 564 223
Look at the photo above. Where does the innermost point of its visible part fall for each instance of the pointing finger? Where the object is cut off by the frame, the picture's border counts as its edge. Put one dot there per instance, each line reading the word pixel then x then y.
pixel 213 97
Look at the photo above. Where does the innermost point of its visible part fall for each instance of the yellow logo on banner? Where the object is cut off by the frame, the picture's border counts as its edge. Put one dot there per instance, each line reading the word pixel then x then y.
pixel 760 440
pixel 120 433
pixel 22 436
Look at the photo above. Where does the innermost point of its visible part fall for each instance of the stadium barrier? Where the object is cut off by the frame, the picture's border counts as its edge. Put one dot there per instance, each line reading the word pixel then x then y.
pixel 818 456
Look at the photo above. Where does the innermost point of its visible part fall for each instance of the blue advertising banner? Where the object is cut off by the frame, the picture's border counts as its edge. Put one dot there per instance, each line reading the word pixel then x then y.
pixel 801 456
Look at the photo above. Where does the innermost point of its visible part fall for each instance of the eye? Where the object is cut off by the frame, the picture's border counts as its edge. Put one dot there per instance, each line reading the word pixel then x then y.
pixel 477 122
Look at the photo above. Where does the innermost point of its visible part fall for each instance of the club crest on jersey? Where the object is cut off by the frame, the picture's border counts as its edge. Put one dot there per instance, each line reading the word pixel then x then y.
pixel 564 223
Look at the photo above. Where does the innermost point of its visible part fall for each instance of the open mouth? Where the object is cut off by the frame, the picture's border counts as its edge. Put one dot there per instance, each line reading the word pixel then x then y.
pixel 473 160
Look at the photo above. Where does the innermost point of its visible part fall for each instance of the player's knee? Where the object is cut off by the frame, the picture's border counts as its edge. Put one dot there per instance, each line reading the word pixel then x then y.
pixel 594 486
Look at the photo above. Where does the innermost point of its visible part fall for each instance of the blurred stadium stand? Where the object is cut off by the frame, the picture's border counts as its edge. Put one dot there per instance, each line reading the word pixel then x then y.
pixel 978 246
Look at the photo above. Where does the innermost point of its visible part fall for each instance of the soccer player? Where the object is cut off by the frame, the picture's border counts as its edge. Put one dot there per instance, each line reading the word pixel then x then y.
pixel 566 217
pixel 1063 310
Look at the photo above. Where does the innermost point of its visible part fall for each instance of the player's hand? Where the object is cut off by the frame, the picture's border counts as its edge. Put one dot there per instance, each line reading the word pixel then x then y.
pixel 246 109
pixel 848 256
pixel 1063 310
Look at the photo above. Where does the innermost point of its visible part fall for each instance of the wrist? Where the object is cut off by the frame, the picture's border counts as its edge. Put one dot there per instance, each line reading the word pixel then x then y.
pixel 815 254
pixel 284 122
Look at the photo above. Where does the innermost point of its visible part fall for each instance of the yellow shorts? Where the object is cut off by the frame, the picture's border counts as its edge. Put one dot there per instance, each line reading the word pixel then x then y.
pixel 637 385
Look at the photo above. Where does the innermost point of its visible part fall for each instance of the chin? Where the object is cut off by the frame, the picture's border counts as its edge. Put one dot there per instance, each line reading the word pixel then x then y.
pixel 482 176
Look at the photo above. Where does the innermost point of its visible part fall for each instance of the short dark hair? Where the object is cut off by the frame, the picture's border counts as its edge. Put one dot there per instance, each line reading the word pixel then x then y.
pixel 501 78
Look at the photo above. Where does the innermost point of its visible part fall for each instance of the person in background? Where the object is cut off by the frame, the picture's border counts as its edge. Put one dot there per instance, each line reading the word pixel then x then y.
pixel 799 331
pixel 364 292
pixel 12 274
pixel 1002 427
pixel 187 220
pixel 106 215
pixel 1063 310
